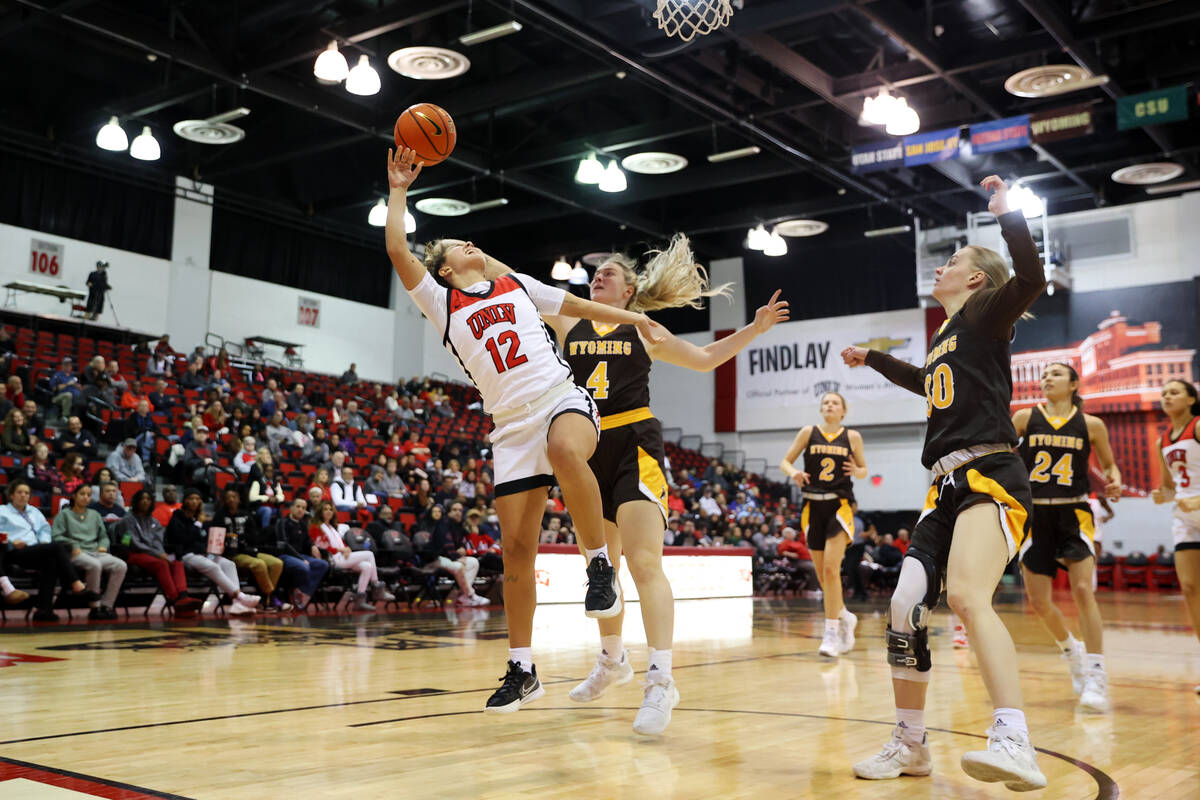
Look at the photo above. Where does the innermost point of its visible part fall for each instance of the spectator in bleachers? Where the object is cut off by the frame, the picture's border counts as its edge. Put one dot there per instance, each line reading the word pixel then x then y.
pixel 346 494
pixel 142 428
pixel 5 405
pixel 242 536
pixel 268 393
pixel 77 439
pixel 246 456
pixel 215 418
pixel 166 507
pixel 337 460
pixel 115 378
pixel 279 435
pixel 298 549
pixel 708 504
pixel 72 472
pixel 321 482
pixel 447 491
pixel 160 365
pixel 797 559
pixel 108 503
pixel 35 420
pixel 350 375
pixel 15 390
pixel 902 538
pixel 187 540
pixel 94 369
pixel 325 534
pixel 394 448
pixel 30 545
pixel 354 418
pixel 200 462
pixel 219 382
pixel 298 401
pixel 14 438
pixel 44 480
pixel 191 378
pixel 317 450
pixel 375 484
pixel 159 397
pixel 99 393
pixel 343 443
pixel 81 528
pixel 264 491
pixel 163 347
pixel 416 448
pixel 480 544
pixel 126 464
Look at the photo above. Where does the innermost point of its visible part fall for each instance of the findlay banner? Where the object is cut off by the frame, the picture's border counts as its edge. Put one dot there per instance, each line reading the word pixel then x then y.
pixel 782 375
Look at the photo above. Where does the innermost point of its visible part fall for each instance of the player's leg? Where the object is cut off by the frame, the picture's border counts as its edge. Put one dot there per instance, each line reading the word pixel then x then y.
pixel 612 667
pixel 520 519
pixel 570 442
pixel 839 622
pixel 1094 692
pixel 1187 567
pixel 641 523
pixel 1039 588
pixel 978 556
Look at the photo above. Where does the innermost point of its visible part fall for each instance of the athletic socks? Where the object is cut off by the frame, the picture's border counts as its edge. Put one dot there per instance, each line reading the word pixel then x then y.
pixel 611 646
pixel 1010 720
pixel 911 722
pixel 6 587
pixel 602 550
pixel 660 661
pixel 1066 644
pixel 1095 661
pixel 523 656
pixel 845 615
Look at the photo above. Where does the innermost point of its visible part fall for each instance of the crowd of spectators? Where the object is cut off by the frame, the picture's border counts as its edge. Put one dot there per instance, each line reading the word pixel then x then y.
pixel 382 493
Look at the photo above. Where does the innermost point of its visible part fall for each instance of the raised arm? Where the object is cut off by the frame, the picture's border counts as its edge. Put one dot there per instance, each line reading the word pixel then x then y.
pixel 1104 455
pixel 598 312
pixel 674 350
pixel 997 310
pixel 401 173
pixel 901 373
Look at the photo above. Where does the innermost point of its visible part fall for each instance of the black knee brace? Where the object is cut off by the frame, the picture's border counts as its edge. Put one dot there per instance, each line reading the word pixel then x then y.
pixel 933 576
pixel 910 649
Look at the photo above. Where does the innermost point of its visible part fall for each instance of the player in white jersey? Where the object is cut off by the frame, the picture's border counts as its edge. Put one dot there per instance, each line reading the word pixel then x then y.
pixel 1179 461
pixel 544 425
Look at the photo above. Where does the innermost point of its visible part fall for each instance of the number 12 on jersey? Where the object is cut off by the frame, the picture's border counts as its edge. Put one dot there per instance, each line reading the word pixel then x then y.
pixel 511 357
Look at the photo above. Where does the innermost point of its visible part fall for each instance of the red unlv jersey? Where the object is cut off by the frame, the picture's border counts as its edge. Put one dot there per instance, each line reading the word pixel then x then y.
pixel 495 331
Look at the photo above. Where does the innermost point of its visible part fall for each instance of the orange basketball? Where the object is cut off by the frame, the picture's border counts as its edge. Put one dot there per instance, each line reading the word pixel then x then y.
pixel 428 130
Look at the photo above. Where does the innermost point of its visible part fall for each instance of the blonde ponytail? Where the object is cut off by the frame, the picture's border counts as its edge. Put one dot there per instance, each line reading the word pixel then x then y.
pixel 670 279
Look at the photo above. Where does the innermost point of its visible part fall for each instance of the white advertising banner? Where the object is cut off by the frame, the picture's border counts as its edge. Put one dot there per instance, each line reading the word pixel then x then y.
pixel 783 373
pixel 691 576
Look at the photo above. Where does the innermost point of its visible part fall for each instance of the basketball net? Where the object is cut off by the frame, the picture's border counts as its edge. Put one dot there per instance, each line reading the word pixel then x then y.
pixel 689 18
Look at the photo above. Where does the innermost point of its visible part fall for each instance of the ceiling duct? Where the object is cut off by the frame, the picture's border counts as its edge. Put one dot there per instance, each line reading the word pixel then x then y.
pixel 214 130
pixel 1052 79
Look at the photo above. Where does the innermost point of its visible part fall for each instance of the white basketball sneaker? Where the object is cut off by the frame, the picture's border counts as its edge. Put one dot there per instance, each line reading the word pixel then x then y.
pixel 1010 758
pixel 846 625
pixel 607 672
pixel 831 645
pixel 1074 656
pixel 655 714
pixel 897 758
pixel 960 637
pixel 1094 697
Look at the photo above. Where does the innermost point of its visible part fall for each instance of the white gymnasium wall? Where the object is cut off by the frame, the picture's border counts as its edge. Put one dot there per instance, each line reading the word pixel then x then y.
pixel 135 278
pixel 348 331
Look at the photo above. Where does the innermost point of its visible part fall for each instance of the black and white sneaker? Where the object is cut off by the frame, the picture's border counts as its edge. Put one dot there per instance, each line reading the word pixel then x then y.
pixel 603 598
pixel 519 687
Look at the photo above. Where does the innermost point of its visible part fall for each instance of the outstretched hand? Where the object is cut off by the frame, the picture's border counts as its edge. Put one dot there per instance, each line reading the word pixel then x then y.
pixel 775 310
pixel 651 331
pixel 401 169
pixel 855 356
pixel 998 202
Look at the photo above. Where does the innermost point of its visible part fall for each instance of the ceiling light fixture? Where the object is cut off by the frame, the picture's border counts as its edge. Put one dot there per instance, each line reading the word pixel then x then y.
pixel 757 238
pixel 145 146
pixel 776 245
pixel 112 136
pixel 1182 186
pixel 579 276
pixel 1023 199
pixel 904 120
pixel 487 34
pixel 878 110
pixel 590 171
pixel 378 216
pixel 730 155
pixel 561 271
pixel 330 66
pixel 363 80
pixel 614 179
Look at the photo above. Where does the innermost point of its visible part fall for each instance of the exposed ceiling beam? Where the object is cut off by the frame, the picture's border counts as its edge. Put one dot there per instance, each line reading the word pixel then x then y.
pixel 896 27
pixel 319 104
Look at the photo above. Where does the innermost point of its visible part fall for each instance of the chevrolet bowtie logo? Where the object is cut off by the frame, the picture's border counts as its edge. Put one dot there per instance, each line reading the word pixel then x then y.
pixel 884 344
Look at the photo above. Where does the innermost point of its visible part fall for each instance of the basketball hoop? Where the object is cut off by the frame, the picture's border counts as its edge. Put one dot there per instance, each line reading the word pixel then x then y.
pixel 689 18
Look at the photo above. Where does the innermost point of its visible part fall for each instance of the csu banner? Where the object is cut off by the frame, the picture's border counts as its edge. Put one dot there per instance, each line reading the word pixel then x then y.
pixel 881 155
pixel 1001 134
pixel 930 148
pixel 1150 108
pixel 783 373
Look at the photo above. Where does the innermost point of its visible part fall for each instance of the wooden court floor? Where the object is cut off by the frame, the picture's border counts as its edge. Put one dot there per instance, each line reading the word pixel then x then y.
pixel 379 706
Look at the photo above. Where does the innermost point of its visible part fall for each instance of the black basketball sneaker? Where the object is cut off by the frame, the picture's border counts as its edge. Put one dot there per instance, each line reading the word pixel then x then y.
pixel 519 687
pixel 604 591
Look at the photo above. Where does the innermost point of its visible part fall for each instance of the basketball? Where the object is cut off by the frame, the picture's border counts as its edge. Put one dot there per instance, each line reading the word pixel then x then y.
pixel 428 130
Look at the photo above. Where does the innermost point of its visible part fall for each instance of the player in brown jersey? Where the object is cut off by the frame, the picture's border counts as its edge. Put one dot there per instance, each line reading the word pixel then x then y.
pixel 1058 442
pixel 613 364
pixel 976 512
pixel 833 454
